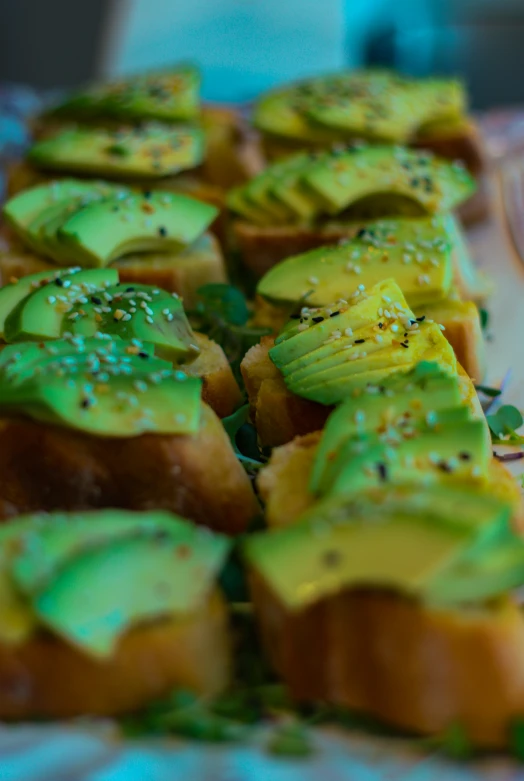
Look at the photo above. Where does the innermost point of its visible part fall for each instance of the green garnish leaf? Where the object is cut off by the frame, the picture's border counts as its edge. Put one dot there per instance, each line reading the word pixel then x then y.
pixel 291 740
pixel 455 742
pixel 484 318
pixel 503 424
pixel 487 391
pixel 243 438
pixel 222 313
pixel 516 738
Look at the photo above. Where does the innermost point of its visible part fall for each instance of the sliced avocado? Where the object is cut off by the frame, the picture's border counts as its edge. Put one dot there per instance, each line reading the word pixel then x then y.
pixel 14 292
pixel 417 253
pixel 402 539
pixel 332 384
pixel 150 151
pixel 98 574
pixel 369 104
pixel 61 538
pixel 289 189
pixel 430 183
pixel 152 221
pixel 26 206
pixel 42 314
pixel 118 390
pixel 137 312
pixel 316 326
pixel 390 408
pixel 170 95
pixel 427 455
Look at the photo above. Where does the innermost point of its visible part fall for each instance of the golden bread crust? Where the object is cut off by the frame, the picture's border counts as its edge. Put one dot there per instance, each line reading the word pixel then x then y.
pixel 416 668
pixel 47 677
pixel 220 389
pixel 45 467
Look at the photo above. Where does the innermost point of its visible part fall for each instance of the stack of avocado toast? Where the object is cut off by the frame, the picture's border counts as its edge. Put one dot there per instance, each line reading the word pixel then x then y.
pixel 218 511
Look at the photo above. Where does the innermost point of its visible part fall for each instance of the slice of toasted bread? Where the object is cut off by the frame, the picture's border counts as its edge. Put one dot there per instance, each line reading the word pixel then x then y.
pixel 183 272
pixel 220 389
pixel 46 677
pixel 418 669
pixel 277 414
pixel 45 467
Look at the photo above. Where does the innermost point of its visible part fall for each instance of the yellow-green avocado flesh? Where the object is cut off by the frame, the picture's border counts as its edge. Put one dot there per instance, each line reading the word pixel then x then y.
pixel 89 577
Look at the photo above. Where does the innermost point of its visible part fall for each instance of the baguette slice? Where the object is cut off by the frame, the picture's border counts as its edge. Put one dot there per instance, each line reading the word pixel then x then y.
pixel 45 467
pixel 184 272
pixel 46 677
pixel 417 669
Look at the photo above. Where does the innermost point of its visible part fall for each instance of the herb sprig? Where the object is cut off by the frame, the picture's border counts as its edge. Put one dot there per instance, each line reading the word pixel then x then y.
pixel 243 438
pixel 504 424
pixel 222 313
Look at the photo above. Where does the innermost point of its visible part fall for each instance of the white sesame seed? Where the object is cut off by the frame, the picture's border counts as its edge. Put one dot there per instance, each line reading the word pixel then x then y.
pixel 313 280
pixel 348 332
pixel 51 299
pixel 394 327
pixel 149 320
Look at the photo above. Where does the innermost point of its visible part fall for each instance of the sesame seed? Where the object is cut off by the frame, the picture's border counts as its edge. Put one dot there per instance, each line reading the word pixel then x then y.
pixel 149 320
pixel 51 299
pixel 118 314
pixel 313 280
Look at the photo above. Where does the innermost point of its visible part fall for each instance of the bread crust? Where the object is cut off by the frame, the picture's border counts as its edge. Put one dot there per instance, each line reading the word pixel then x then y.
pixel 45 467
pixel 47 677
pixel 415 668
pixel 220 389
pixel 462 329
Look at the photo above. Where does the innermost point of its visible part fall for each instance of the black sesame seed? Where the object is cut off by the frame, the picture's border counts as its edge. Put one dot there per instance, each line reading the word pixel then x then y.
pixel 464 456
pixel 147 194
pixel 318 319
pixel 359 341
pixel 143 355
pixel 58 282
pixel 381 325
pixel 130 289
pixel 332 558
pixel 361 233
pixel 334 314
pixel 96 300
pixel 162 231
pixel 382 472
pixel 404 344
pixel 85 403
pixel 444 467
pixel 295 317
pixel 419 319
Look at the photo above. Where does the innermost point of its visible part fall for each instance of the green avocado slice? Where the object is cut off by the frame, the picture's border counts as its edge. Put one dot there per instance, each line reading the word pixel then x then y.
pixel 401 538
pixel 388 409
pixel 91 576
pixel 137 312
pixel 104 231
pixel 170 95
pixel 42 314
pixel 116 390
pixel 147 152
pixel 25 207
pixel 14 292
pixel 367 172
pixel 417 253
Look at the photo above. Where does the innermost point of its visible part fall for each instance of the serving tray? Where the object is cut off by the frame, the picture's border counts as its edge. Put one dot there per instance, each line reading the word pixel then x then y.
pixel 93 751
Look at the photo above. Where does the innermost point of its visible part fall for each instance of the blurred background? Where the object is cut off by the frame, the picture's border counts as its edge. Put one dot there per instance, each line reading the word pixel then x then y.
pixel 244 46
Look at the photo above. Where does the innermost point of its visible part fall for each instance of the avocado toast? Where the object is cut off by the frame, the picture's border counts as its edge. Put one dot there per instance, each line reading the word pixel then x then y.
pixel 151 236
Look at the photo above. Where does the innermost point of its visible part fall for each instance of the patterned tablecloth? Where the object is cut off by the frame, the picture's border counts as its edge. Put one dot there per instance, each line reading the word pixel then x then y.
pixel 94 752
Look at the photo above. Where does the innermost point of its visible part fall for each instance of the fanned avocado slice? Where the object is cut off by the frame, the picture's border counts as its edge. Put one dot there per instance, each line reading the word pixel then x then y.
pixel 103 231
pixel 90 577
pixel 114 390
pixel 137 312
pixel 429 454
pixel 367 104
pixel 147 152
pixel 170 95
pixel 14 292
pixel 389 410
pixel 42 314
pixel 369 172
pixel 402 538
pixel 21 210
pixel 416 253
